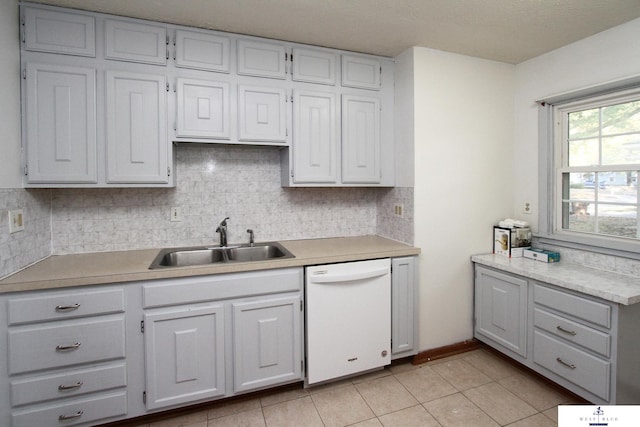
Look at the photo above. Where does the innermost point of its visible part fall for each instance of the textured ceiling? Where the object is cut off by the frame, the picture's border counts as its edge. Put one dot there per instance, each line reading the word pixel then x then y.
pixel 504 30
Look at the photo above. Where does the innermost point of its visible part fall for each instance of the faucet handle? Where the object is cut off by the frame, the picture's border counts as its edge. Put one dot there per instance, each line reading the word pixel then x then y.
pixel 251 238
pixel 222 223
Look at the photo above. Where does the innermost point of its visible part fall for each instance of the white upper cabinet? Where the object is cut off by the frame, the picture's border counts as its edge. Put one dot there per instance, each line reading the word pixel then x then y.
pixel 135 42
pixel 262 114
pixel 261 59
pixel 315 137
pixel 202 51
pixel 314 66
pixel 137 148
pixel 203 109
pixel 60 128
pixel 360 139
pixel 361 72
pixel 58 32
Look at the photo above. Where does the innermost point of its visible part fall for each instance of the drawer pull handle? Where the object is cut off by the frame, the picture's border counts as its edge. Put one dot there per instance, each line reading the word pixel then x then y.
pixel 71 417
pixel 566 331
pixel 68 347
pixel 568 365
pixel 67 307
pixel 64 387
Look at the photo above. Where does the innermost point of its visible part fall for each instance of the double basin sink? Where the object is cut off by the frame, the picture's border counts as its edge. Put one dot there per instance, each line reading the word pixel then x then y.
pixel 205 255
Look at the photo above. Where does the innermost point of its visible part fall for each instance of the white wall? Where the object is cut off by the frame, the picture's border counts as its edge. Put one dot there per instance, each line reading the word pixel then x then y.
pixel 611 55
pixel 10 100
pixel 463 112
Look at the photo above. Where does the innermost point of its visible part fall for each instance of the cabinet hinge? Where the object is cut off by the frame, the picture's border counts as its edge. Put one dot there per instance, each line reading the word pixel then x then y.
pixel 168 171
pixel 167 84
pixel 24 74
pixel 26 169
pixel 142 326
pixel 301 305
pixel 291 173
pixel 292 98
pixel 144 397
pixel 302 366
pixel 21 30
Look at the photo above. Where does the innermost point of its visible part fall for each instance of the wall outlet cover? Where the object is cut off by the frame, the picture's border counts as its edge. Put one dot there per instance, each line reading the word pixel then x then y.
pixel 16 220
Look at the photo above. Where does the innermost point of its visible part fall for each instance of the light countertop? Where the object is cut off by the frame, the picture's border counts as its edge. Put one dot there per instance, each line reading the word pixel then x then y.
pixel 59 271
pixel 610 286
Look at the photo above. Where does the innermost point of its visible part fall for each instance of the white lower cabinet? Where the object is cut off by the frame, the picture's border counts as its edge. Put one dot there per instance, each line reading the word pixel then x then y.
pixel 583 343
pixel 404 307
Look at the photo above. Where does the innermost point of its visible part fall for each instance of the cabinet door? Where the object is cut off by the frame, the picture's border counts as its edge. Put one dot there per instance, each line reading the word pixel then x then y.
pixel 184 355
pixel 403 307
pixel 59 32
pixel 267 342
pixel 137 149
pixel 203 109
pixel 360 72
pixel 501 309
pixel 360 140
pixel 60 131
pixel 314 66
pixel 315 137
pixel 202 51
pixel 262 114
pixel 261 59
pixel 135 42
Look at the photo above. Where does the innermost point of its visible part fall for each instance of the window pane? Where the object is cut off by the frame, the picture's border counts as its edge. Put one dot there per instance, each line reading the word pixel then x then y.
pixel 621 118
pixel 584 124
pixel 584 152
pixel 621 150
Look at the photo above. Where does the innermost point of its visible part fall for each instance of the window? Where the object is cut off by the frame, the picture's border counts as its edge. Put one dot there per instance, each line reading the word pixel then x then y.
pixel 595 152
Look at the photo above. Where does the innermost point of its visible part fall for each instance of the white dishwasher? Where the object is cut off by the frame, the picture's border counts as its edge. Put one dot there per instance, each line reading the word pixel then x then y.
pixel 348 318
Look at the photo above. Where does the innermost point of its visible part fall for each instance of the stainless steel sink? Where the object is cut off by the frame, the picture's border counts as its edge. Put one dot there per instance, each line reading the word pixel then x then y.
pixel 184 257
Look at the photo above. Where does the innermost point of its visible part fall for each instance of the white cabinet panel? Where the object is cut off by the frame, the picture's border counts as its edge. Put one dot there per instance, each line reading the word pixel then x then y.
pixel 184 355
pixel 360 139
pixel 202 51
pixel 203 109
pixel 360 72
pixel 404 294
pixel 135 42
pixel 59 32
pixel 262 114
pixel 261 59
pixel 315 133
pixel 60 124
pixel 137 149
pixel 314 66
pixel 267 342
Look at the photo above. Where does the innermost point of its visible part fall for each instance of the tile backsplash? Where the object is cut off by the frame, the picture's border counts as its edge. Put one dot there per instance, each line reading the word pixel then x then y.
pixel 213 182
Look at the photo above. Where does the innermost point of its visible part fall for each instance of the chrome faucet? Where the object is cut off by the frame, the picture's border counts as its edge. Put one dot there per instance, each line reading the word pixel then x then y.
pixel 251 237
pixel 222 229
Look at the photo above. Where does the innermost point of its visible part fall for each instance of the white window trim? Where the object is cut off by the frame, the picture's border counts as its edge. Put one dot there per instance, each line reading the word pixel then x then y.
pixel 548 233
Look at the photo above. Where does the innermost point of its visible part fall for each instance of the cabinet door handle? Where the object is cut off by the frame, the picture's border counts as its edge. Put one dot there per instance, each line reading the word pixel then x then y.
pixel 65 387
pixel 70 417
pixel 68 347
pixel 67 307
pixel 566 331
pixel 568 365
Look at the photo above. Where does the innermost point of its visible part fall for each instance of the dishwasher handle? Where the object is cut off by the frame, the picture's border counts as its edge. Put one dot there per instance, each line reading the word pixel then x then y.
pixel 323 276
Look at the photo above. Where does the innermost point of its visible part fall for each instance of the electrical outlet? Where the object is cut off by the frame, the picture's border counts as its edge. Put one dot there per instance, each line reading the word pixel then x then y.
pixel 527 207
pixel 16 221
pixel 176 214
pixel 398 210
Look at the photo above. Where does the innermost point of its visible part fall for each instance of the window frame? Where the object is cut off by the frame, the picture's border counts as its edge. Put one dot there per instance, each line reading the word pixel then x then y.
pixel 550 161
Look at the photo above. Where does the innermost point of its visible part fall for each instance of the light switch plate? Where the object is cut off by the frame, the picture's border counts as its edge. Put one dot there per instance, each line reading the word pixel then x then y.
pixel 16 221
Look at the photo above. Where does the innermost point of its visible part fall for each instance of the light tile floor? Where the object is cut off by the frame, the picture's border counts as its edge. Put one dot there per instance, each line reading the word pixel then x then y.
pixel 475 389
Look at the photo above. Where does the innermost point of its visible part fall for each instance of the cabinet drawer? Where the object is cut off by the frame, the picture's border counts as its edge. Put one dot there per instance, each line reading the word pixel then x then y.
pixel 59 32
pixel 135 42
pixel 44 347
pixel 64 305
pixel 573 332
pixel 67 384
pixel 79 411
pixel 587 371
pixel 582 308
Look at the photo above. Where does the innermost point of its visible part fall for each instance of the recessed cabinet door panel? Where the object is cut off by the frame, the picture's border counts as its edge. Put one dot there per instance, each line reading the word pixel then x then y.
pixel 203 109
pixel 314 66
pixel 61 124
pixel 403 296
pixel 184 355
pixel 261 59
pixel 137 148
pixel 262 114
pixel 360 72
pixel 360 139
pixel 202 51
pixel 134 42
pixel 315 137
pixel 59 32
pixel 267 342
